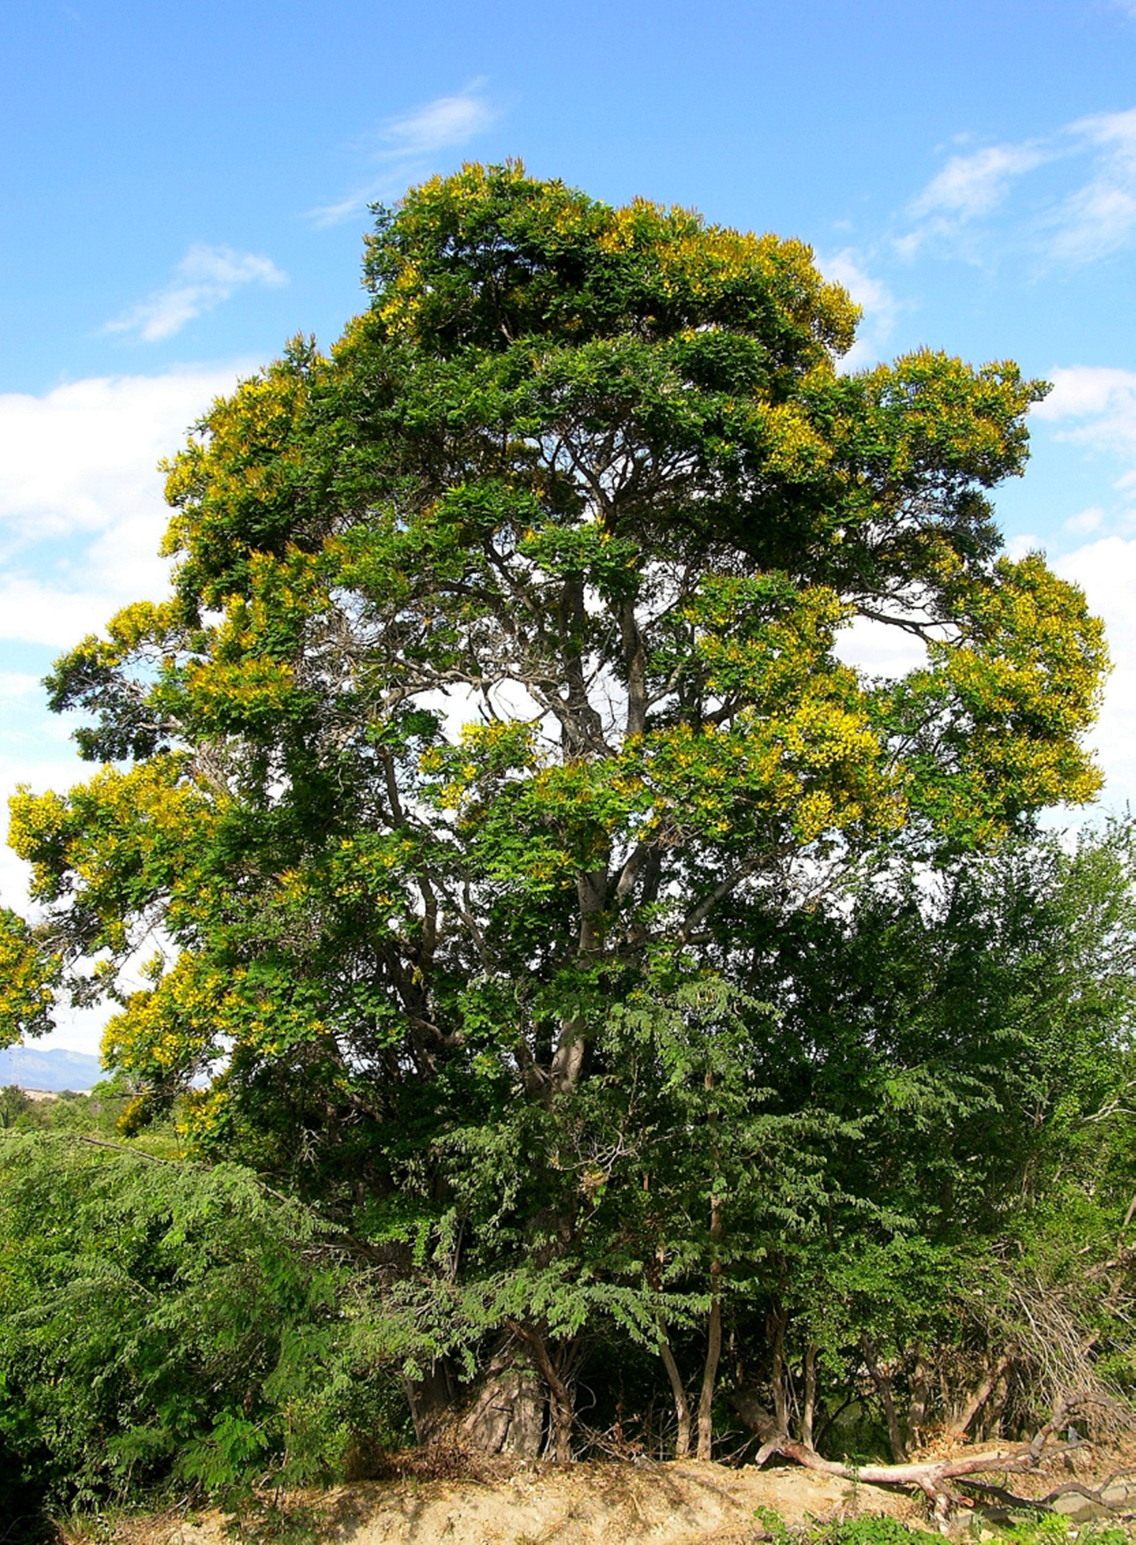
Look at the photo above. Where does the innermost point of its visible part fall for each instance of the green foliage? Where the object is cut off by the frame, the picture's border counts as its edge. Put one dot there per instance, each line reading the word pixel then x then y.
pixel 867 1529
pixel 549 401
pixel 543 896
pixel 872 1530
pixel 29 973
pixel 161 1319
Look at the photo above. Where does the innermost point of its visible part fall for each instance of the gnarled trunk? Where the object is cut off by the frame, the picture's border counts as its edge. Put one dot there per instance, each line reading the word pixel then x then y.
pixel 932 1476
pixel 509 1411
pixel 432 1399
pixel 882 1381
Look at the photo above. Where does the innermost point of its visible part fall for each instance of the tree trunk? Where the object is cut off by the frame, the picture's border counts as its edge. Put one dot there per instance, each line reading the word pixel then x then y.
pixel 992 1411
pixel 710 1369
pixel 431 1400
pixel 561 1405
pixel 984 1389
pixel 508 1412
pixel 917 1406
pixel 808 1415
pixel 780 1320
pixel 678 1391
pixel 884 1390
pixel 570 1056
pixel 714 1335
pixel 931 1477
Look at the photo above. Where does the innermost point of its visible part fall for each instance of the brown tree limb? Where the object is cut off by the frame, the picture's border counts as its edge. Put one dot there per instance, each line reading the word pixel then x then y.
pixel 930 1476
pixel 981 1394
pixel 562 1404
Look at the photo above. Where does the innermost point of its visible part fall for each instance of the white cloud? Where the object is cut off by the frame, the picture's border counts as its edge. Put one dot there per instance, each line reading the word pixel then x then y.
pixel 973 185
pixel 1106 570
pixel 1085 521
pixel 1075 225
pixel 81 508
pixel 406 145
pixel 81 517
pixel 968 188
pixel 878 649
pixel 204 278
pixel 878 304
pixel 445 122
pixel 1022 545
pixel 1102 402
pixel 1100 216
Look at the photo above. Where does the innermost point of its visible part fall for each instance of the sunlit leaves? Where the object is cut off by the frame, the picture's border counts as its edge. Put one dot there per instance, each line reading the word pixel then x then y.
pixel 504 645
pixel 29 972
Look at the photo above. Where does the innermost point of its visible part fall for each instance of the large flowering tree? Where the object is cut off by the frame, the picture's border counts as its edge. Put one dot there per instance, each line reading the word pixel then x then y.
pixel 496 714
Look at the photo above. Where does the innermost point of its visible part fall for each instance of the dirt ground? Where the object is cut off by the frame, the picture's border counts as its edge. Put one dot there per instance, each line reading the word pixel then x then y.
pixel 581 1504
pixel 641 1503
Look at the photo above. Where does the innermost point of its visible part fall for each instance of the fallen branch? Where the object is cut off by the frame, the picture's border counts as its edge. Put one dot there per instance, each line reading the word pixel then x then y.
pixel 1094 1493
pixel 930 1476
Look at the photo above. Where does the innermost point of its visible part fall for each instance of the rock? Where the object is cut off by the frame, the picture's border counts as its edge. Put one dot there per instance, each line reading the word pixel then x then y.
pixel 1076 1506
pixel 1119 1494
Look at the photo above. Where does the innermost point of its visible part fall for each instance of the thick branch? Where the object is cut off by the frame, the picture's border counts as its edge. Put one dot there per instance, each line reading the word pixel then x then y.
pixel 930 1476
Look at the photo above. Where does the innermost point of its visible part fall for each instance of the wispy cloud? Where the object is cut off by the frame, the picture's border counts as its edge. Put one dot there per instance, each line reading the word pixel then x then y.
pixel 968 188
pixel 204 278
pixel 877 303
pixel 1095 406
pixel 1098 402
pixel 1100 216
pixel 1092 518
pixel 406 145
pixel 1069 225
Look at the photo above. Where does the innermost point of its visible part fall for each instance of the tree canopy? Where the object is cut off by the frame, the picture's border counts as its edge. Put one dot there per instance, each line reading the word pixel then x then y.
pixel 493 798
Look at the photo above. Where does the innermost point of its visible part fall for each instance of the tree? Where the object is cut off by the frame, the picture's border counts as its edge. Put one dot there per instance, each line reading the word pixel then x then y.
pixel 162 1318
pixel 498 693
pixel 975 1024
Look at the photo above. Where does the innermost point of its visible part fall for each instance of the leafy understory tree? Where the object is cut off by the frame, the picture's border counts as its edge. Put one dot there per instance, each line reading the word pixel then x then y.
pixel 495 731
pixel 162 1319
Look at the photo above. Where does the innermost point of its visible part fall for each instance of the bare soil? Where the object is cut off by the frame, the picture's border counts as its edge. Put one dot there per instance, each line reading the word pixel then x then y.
pixel 427 1502
pixel 640 1503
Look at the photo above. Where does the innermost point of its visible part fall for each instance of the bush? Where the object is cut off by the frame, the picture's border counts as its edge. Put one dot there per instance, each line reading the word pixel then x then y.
pixel 163 1320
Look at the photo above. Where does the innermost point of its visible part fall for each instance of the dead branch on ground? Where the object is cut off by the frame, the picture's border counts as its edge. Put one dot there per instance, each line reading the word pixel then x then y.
pixel 932 1477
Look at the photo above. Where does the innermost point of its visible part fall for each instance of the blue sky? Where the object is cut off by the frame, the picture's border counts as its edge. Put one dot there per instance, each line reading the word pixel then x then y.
pixel 181 189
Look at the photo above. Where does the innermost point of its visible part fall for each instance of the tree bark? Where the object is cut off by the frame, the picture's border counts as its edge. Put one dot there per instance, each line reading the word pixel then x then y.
pixel 710 1369
pixel 431 1401
pixel 931 1476
pixel 562 1406
pixel 714 1335
pixel 982 1392
pixel 884 1390
pixel 917 1405
pixel 678 1391
pixel 780 1321
pixel 808 1414
pixel 571 1051
pixel 507 1415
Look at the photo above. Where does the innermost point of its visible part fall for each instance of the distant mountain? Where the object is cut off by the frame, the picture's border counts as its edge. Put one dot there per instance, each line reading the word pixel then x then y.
pixel 54 1069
